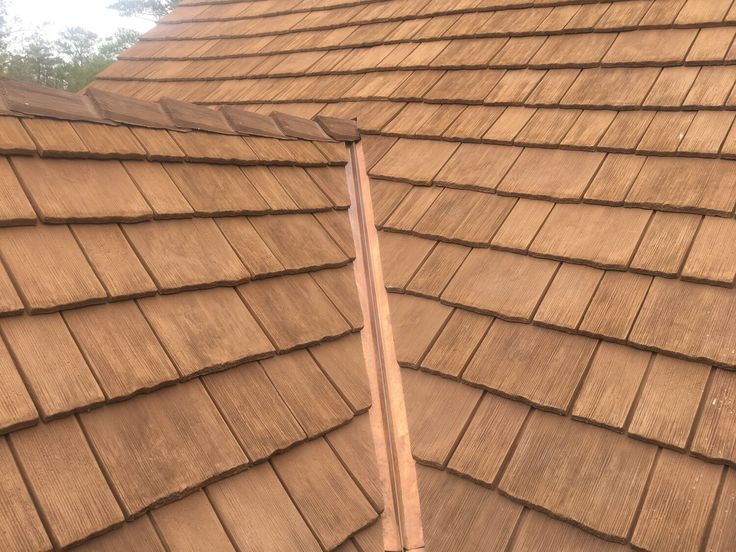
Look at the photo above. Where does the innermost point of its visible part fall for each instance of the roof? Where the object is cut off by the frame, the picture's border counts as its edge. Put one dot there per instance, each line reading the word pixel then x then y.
pixel 555 190
pixel 180 362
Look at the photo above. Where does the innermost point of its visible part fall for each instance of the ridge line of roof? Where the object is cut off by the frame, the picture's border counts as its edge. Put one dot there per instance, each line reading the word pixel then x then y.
pixel 100 106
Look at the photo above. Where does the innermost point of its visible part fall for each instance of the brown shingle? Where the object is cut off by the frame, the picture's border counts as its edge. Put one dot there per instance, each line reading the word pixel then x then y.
pixel 191 523
pixel 665 243
pixel 343 363
pixel 715 436
pixel 325 494
pixel 658 46
pixel 522 361
pixel 438 410
pixel 610 472
pixel 55 137
pixel 109 141
pixel 216 189
pixel 538 532
pixel 707 186
pixel 298 242
pixel 249 245
pixel 401 256
pixel 566 174
pixel 353 443
pixel 488 438
pixel 500 283
pixel 56 373
pixel 293 310
pixel 184 254
pixel 18 515
pixel 256 511
pixel 159 190
pixel 611 385
pixel 522 224
pixel 309 395
pixel 614 178
pixel 81 190
pixel 661 325
pixel 122 350
pixel 15 208
pixel 603 236
pixel 113 260
pixel 438 269
pixel 66 480
pixel 615 304
pixel 457 341
pixel 300 186
pixel 464 216
pixel 703 263
pixel 16 406
pixel 137 441
pixel 669 400
pixel 415 323
pixel 477 166
pixel 568 297
pixel 139 533
pixel 255 411
pixel 415 161
pixel 681 494
pixel 340 286
pixel 15 139
pixel 671 87
pixel 459 515
pixel 205 330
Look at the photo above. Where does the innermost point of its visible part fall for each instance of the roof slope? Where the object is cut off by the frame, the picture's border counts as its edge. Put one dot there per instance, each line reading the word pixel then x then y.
pixel 180 363
pixel 554 184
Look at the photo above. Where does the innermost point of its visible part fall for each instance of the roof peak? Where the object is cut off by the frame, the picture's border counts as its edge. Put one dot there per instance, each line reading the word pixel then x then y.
pixel 100 106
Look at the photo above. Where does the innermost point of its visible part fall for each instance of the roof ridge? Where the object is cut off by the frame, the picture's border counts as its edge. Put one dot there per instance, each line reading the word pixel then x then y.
pixel 101 106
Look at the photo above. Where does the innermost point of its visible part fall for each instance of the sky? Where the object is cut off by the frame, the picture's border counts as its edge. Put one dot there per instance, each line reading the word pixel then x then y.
pixel 53 16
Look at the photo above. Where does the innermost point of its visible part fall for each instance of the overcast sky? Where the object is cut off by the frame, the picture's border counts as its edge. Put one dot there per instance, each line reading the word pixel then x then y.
pixel 56 15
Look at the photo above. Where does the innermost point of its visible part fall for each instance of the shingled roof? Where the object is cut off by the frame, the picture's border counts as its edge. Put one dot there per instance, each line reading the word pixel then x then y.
pixel 554 183
pixel 179 331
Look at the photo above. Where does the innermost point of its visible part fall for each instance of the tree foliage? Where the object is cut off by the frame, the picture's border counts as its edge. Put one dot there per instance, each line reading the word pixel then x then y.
pixel 76 56
pixel 146 8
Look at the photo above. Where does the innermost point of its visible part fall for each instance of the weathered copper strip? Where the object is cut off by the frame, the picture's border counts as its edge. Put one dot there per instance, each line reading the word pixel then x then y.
pixel 402 522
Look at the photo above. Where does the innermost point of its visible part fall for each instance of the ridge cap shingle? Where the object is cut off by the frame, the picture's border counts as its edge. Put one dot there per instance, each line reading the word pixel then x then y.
pixel 101 106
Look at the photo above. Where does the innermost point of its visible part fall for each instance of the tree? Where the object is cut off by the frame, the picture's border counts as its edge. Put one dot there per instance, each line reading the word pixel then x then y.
pixel 154 9
pixel 76 56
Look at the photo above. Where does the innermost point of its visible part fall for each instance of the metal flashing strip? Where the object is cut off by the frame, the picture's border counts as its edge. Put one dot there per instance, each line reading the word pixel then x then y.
pixel 402 522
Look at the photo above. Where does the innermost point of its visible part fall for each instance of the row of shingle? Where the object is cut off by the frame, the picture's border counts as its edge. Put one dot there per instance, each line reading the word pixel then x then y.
pixel 666 47
pixel 623 88
pixel 58 138
pixel 369 35
pixel 663 183
pixel 478 20
pixel 200 426
pixel 108 191
pixel 531 456
pixel 667 244
pixel 252 8
pixel 95 263
pixel 88 352
pixel 686 133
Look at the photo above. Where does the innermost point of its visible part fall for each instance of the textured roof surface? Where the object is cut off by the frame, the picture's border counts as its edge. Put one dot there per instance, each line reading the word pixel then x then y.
pixel 554 185
pixel 179 330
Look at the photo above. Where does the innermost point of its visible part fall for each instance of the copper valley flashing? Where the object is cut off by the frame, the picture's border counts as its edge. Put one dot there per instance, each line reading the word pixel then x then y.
pixel 402 525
